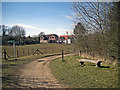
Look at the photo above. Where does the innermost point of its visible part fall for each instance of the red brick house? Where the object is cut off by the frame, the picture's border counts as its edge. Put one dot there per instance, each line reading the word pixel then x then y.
pixel 51 38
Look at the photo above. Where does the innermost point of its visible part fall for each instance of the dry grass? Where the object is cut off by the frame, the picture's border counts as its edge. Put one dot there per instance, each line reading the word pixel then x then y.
pixel 44 48
pixel 104 61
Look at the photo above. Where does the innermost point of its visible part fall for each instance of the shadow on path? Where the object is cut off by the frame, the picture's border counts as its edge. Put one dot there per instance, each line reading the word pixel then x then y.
pixel 41 60
pixel 104 66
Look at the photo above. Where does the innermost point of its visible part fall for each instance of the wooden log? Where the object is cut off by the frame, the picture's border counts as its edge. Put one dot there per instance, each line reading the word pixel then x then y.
pixel 91 61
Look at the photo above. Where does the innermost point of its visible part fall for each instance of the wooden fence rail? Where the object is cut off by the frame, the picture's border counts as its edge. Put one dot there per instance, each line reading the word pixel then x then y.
pixel 6 54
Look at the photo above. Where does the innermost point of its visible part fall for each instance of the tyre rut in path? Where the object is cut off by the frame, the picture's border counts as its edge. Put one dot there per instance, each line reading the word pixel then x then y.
pixel 36 74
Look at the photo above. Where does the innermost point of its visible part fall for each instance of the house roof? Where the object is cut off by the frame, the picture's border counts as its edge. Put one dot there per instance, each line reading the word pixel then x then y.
pixel 47 36
pixel 66 36
pixel 53 34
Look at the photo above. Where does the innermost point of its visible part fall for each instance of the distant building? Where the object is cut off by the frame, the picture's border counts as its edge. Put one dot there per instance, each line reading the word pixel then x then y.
pixel 44 39
pixel 51 38
pixel 68 39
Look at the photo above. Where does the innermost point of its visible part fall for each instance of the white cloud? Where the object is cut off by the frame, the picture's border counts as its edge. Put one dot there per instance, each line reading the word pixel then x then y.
pixel 69 17
pixel 26 26
pixel 9 25
pixel 32 30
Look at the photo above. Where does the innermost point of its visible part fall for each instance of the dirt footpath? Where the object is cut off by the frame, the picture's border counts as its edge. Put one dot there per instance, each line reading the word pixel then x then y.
pixel 36 74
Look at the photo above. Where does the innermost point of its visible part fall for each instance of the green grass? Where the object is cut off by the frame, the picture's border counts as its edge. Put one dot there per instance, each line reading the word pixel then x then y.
pixel 72 75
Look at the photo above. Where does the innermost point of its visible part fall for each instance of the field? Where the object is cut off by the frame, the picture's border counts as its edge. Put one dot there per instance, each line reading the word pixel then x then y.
pixel 27 50
pixel 10 67
pixel 71 74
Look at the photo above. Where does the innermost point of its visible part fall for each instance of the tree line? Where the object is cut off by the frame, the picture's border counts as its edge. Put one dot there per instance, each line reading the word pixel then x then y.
pixel 17 33
pixel 97 28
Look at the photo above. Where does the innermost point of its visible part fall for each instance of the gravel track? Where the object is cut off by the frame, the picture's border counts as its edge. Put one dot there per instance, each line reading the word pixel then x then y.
pixel 36 74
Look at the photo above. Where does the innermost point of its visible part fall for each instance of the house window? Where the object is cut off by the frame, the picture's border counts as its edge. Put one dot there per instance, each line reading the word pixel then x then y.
pixel 52 37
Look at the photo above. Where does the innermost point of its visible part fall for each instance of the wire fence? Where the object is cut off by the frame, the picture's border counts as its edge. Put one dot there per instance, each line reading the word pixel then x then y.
pixel 9 54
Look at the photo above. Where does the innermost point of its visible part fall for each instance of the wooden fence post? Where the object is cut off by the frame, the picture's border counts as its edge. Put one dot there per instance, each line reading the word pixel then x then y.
pixel 79 52
pixel 45 50
pixel 52 50
pixel 2 53
pixel 93 55
pixel 32 51
pixel 74 50
pixel 28 51
pixel 62 56
pixel 17 53
pixel 23 53
pixel 14 50
pixel 68 49
pixel 5 54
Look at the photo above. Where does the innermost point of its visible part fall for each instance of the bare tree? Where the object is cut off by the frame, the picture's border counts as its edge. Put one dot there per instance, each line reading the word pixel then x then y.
pixel 4 29
pixel 41 33
pixel 17 31
pixel 101 20
pixel 93 15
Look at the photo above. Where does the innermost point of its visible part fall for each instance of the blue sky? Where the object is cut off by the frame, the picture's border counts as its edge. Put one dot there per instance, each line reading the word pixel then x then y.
pixel 35 17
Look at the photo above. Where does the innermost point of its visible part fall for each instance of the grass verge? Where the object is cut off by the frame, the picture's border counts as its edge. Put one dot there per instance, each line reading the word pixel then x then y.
pixel 72 75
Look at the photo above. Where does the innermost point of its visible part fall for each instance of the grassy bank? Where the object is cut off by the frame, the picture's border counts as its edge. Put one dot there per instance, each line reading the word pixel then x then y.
pixel 71 74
